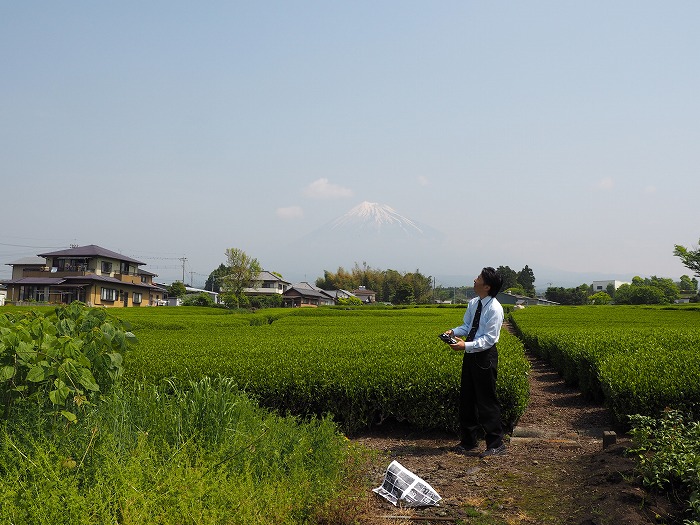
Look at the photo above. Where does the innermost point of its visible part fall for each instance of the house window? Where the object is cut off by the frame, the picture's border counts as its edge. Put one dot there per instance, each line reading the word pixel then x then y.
pixel 106 267
pixel 137 298
pixel 108 294
pixel 125 268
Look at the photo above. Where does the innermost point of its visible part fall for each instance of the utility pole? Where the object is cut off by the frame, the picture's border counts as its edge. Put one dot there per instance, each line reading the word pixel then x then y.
pixel 183 259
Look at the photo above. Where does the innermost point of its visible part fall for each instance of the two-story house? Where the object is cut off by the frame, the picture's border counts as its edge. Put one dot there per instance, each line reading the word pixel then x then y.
pixel 267 283
pixel 91 274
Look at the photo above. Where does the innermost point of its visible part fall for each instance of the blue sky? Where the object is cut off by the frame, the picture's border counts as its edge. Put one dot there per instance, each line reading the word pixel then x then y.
pixel 561 135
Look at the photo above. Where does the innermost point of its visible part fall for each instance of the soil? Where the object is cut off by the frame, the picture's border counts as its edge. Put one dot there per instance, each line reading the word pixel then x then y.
pixel 556 469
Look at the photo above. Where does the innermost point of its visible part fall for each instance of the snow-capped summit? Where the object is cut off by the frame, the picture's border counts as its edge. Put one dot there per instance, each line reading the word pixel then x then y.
pixel 373 233
pixel 377 217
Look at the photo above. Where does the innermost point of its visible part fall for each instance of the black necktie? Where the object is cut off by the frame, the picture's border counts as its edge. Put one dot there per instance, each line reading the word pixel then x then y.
pixel 475 323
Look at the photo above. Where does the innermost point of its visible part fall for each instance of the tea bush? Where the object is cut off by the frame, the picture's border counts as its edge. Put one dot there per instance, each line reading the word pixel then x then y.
pixel 362 366
pixel 640 360
pixel 667 450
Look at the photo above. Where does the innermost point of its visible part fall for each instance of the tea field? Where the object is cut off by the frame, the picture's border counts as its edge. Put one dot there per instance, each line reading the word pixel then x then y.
pixel 638 359
pixel 362 366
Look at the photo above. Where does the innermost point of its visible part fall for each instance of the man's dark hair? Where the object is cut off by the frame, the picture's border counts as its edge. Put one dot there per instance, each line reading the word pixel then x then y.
pixel 491 278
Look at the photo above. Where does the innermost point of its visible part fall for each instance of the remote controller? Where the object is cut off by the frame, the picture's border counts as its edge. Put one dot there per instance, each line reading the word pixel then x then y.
pixel 448 339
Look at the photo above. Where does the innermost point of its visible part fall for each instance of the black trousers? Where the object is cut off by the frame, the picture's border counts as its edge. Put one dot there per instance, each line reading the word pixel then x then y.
pixel 479 410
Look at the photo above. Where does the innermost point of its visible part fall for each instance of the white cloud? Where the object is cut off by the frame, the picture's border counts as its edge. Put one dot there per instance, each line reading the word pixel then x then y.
pixel 605 184
pixel 322 189
pixel 649 190
pixel 423 181
pixel 291 212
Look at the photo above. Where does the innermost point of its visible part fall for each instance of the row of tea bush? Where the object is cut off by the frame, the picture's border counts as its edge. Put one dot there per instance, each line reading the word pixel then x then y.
pixel 639 360
pixel 361 366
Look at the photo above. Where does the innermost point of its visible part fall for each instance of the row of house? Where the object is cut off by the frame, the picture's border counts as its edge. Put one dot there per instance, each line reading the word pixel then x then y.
pixel 304 293
pixel 101 277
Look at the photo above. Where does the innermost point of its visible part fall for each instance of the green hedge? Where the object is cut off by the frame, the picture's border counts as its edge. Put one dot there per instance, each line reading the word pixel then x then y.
pixel 640 360
pixel 362 366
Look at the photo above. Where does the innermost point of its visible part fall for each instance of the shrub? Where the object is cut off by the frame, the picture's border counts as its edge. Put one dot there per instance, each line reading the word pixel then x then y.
pixel 200 299
pixel 60 360
pixel 667 451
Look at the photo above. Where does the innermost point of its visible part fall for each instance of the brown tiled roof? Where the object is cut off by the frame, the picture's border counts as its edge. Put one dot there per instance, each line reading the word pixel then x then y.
pixel 91 250
pixel 36 280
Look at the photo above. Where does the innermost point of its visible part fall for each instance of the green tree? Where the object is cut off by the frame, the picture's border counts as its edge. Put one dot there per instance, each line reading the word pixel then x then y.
pixel 389 285
pixel 200 299
pixel 509 276
pixel 639 294
pixel 688 285
pixel 404 295
pixel 689 258
pixel 667 290
pixel 526 279
pixel 213 282
pixel 177 289
pixel 568 296
pixel 241 273
pixel 610 289
pixel 421 285
pixel 349 301
pixel 600 298
pixel 667 286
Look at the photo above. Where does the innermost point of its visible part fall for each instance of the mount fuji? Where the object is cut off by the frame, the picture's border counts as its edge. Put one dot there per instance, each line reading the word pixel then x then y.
pixel 373 233
pixel 374 220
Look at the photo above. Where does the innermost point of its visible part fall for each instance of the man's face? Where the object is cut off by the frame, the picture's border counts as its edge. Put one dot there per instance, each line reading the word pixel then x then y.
pixel 481 289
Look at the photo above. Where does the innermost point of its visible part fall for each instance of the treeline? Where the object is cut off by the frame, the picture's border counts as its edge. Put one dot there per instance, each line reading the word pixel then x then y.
pixel 650 290
pixel 394 287
pixel 390 286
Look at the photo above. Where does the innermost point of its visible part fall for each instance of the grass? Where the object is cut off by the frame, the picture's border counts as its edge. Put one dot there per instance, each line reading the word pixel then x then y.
pixel 206 455
pixel 173 450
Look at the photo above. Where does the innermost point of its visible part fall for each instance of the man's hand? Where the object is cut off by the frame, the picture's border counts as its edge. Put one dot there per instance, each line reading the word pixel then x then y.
pixel 458 346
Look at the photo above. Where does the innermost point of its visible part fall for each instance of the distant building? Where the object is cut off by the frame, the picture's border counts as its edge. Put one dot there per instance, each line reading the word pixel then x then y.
pixel 306 294
pixel 267 283
pixel 602 286
pixel 365 295
pixel 189 291
pixel 339 294
pixel 523 300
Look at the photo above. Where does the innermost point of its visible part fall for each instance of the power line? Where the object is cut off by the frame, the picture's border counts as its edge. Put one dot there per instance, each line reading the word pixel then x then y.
pixel 156 258
pixel 26 246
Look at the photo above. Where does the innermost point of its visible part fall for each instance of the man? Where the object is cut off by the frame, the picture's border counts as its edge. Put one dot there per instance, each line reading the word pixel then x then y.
pixel 479 409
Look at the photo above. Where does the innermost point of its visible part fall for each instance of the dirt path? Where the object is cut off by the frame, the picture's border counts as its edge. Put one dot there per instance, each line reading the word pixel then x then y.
pixel 555 472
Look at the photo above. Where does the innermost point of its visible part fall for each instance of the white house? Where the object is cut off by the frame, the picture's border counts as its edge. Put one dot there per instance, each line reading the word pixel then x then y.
pixel 601 286
pixel 267 283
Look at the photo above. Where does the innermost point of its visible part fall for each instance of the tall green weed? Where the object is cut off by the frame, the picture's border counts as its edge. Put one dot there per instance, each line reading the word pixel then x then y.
pixel 202 454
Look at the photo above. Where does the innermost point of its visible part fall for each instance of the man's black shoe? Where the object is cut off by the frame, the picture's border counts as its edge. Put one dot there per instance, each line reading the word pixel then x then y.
pixel 464 449
pixel 496 451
